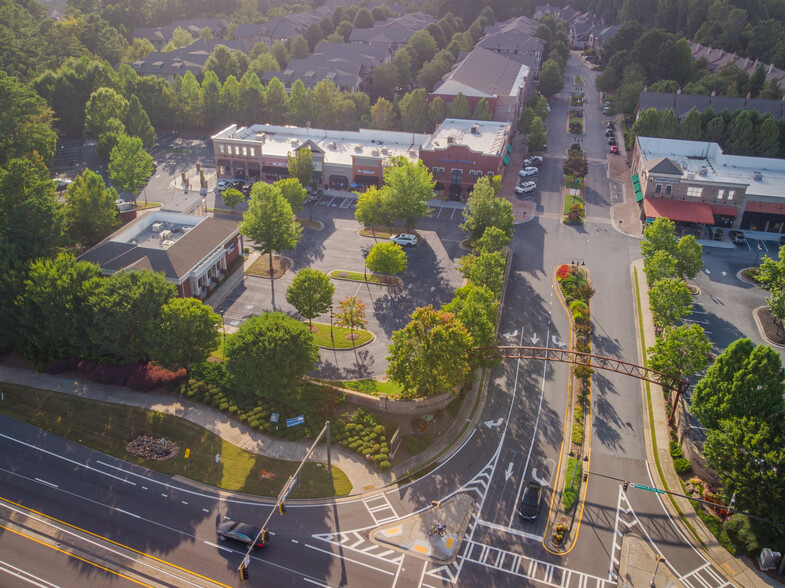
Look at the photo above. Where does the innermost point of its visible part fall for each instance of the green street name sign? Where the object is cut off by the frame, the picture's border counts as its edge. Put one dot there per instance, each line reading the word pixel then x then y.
pixel 649 488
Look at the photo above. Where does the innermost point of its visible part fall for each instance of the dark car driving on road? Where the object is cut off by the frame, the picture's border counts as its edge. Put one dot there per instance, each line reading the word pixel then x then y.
pixel 240 532
pixel 530 501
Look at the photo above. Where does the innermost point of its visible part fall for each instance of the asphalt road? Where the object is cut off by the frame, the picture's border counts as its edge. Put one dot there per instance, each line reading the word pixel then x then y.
pixel 518 437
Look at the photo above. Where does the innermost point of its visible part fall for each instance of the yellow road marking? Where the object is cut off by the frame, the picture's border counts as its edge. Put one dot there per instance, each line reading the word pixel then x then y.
pixel 92 563
pixel 163 561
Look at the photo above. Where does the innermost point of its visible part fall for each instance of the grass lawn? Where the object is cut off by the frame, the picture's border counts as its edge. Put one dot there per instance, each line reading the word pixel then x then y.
pixel 569 200
pixel 341 335
pixel 107 427
pixel 578 81
pixel 572 483
pixel 309 224
pixel 360 277
pixel 379 232
pixel 261 267
pixel 369 386
pixel 142 206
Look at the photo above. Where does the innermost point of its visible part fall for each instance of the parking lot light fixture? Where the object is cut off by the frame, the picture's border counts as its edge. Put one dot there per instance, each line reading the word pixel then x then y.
pixel 332 337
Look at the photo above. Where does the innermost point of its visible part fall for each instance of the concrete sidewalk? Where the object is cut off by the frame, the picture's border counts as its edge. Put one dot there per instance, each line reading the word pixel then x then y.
pixel 737 569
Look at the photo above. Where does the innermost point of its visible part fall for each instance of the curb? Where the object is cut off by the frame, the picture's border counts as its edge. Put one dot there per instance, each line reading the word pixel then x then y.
pixel 332 277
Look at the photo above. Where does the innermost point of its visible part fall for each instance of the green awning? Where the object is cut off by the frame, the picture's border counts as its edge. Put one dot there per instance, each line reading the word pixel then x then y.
pixel 506 160
pixel 509 148
pixel 635 179
pixel 638 194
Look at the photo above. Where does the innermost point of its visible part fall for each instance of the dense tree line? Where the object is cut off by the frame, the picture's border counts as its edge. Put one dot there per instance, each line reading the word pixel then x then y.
pixel 743 132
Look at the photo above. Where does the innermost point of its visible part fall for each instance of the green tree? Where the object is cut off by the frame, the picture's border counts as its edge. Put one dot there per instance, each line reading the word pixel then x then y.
pixel 104 105
pixel 211 93
pixel 301 167
pixel 459 107
pixel 408 187
pixel 576 164
pixel 372 209
pixel 431 354
pixel 423 46
pixel 745 381
pixel 187 334
pixel 386 258
pixel 232 197
pixel 526 119
pixel 771 275
pixel 221 63
pixel 414 111
pixel 269 354
pixel 124 314
pixel 551 81
pixel 749 456
pixel 485 269
pixel 541 108
pixel 741 135
pixel 767 138
pixel 313 34
pixel 493 239
pixel 715 130
pixel 648 123
pixel 689 254
pixel 299 49
pixel 311 293
pixel 536 139
pixel 383 115
pixel 659 236
pixel 230 100
pixel 384 80
pixel 476 307
pixel 681 352
pixel 137 123
pixel 485 210
pixel 269 222
pixel 363 19
pixel 277 102
pixel 130 166
pixel 437 111
pixel 190 100
pixel 25 122
pixel 90 209
pixel 661 265
pixel 51 307
pixel 280 53
pixel 670 301
pixel 351 315
pixel 669 125
pixel 691 127
pixel 180 38
pixel 30 218
pixel 293 191
pixel 299 110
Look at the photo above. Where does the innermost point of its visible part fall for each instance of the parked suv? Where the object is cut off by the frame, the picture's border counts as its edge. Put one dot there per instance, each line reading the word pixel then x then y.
pixel 404 240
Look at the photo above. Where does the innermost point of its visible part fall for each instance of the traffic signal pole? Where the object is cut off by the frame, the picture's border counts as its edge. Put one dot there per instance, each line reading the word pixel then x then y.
pixel 279 501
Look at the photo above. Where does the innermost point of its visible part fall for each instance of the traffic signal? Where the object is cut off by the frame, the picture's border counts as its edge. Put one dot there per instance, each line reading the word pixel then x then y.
pixel 243 573
pixel 624 486
pixel 282 508
pixel 265 536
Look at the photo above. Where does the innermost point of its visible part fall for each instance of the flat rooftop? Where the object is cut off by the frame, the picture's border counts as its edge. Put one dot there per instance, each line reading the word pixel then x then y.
pixel 339 147
pixel 481 136
pixel 697 156
pixel 158 230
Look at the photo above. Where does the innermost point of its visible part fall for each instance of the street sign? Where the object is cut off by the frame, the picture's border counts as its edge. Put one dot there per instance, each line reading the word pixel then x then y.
pixel 649 488
pixel 187 453
pixel 299 420
pixel 217 458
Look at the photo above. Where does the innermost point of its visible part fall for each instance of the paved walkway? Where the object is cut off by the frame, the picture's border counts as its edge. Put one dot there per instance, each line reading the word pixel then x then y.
pixel 739 570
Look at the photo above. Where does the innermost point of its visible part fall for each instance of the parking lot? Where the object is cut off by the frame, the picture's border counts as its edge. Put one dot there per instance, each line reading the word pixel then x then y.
pixel 431 278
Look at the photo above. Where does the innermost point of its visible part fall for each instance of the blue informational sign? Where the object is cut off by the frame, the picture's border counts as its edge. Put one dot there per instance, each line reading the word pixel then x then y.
pixel 295 421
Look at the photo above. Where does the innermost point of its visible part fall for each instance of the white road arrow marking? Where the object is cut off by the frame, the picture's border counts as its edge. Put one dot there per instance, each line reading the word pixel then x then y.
pixel 537 479
pixel 496 423
pixel 724 274
pixel 508 472
pixel 557 342
pixel 511 335
pixel 707 270
pixel 534 339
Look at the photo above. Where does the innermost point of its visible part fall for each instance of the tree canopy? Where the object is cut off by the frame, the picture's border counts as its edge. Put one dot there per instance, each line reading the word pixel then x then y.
pixel 311 293
pixel 485 210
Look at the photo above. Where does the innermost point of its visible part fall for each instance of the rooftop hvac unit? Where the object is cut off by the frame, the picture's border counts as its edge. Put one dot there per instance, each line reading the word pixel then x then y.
pixel 332 145
pixel 450 140
pixel 757 176
pixel 167 244
pixel 157 227
pixel 358 148
pixel 385 150
pixel 375 153
pixel 166 234
pixel 703 170
pixel 187 229
pixel 690 175
pixel 475 129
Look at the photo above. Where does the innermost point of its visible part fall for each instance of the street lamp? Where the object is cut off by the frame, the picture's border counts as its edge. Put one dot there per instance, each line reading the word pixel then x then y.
pixel 660 560
pixel 223 325
pixel 332 337
pixel 757 254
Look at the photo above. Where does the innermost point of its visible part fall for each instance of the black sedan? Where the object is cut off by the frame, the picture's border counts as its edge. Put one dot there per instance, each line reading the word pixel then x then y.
pixel 238 184
pixel 611 140
pixel 530 501
pixel 240 532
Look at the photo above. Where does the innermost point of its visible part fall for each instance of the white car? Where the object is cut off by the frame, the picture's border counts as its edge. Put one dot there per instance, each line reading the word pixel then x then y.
pixel 525 187
pixel 528 171
pixel 533 161
pixel 404 240
pixel 223 185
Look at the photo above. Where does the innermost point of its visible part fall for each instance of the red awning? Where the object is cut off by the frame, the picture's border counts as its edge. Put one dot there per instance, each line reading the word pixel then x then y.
pixel 724 210
pixel 679 210
pixel 768 207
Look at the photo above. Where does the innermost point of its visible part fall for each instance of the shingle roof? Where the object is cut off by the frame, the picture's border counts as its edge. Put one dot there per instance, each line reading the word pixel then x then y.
pixel 191 58
pixel 663 165
pixel 185 254
pixel 483 73
pixel 683 103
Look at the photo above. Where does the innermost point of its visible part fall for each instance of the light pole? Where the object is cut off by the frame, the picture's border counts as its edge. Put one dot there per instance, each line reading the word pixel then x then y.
pixel 757 254
pixel 332 337
pixel 660 560
pixel 223 324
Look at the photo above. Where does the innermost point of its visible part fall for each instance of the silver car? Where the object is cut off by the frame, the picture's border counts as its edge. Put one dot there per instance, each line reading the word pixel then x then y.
pixel 528 171
pixel 404 240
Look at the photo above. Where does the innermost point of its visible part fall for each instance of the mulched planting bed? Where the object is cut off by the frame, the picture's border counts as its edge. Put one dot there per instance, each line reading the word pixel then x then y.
pixel 775 332
pixel 261 267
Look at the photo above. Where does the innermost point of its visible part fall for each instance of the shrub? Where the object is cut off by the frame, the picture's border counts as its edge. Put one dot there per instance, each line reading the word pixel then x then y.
pixel 675 449
pixel 579 307
pixel 384 465
pixel 224 406
pixel 564 271
pixel 682 466
pixel 254 424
